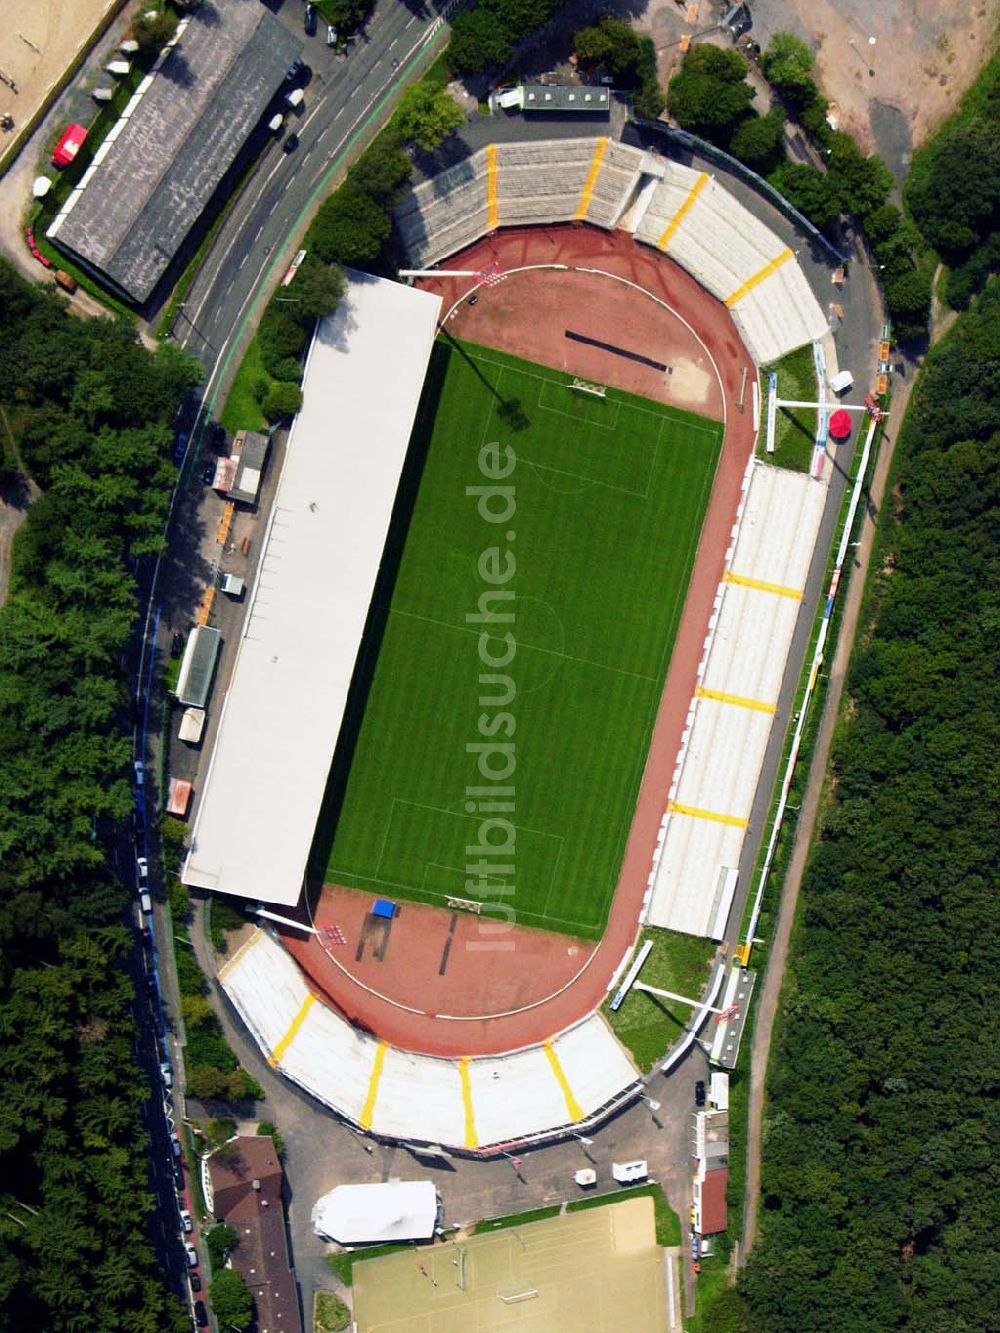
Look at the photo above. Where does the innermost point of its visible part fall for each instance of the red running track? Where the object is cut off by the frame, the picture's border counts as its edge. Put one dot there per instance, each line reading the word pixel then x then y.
pixel 428 983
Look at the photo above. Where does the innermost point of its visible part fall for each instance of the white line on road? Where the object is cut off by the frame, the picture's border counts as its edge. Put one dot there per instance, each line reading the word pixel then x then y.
pixel 257 233
pixel 244 259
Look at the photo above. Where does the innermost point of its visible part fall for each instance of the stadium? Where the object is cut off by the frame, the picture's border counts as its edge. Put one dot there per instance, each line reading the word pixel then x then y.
pixel 514 652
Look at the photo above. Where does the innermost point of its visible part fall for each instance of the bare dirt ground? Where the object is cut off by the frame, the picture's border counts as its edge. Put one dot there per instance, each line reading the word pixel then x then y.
pixel 925 54
pixel 37 43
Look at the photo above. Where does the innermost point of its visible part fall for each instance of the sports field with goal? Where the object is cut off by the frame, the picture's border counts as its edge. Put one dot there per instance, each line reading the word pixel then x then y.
pixel 525 644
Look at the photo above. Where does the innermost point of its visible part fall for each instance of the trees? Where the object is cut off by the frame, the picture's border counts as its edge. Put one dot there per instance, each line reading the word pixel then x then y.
pixel 426 115
pixel 617 49
pixel 710 94
pixel 759 141
pixel 349 228
pixel 813 192
pixel 381 171
pixel 231 1300
pixel 483 37
pixel 220 1239
pixel 787 65
pixel 952 187
pixel 880 1091
pixel 282 399
pixel 317 289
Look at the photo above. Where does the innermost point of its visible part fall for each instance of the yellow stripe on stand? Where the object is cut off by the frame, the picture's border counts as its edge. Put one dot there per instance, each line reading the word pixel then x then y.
pixel 779 589
pixel 763 273
pixel 255 938
pixel 492 211
pixel 591 181
pixel 293 1027
pixel 683 211
pixel 572 1105
pixel 738 700
pixel 368 1110
pixel 694 812
pixel 471 1138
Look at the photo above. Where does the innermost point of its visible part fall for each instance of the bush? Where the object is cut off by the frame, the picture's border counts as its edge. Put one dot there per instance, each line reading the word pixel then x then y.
pixel 811 191
pixel 349 228
pixel 381 171
pixel 759 141
pixel 332 1315
pixel 281 400
pixel 966 279
pixel 231 1300
pixel 266 1128
pixel 787 65
pixel 153 30
pixel 710 95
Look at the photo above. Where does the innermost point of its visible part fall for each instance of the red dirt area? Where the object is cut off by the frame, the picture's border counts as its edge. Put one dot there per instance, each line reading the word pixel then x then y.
pixel 448 983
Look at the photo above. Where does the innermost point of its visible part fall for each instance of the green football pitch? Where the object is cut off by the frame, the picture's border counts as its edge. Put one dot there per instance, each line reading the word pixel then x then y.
pixel 609 499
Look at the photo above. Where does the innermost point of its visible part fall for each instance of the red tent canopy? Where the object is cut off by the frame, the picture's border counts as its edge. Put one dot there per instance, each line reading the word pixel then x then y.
pixel 840 424
pixel 69 145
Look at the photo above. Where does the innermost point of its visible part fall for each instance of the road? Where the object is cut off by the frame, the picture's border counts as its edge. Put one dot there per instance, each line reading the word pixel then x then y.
pixel 346 100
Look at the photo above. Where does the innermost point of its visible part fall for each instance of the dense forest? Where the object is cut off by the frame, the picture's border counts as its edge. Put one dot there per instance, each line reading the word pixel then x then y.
pixel 86 412
pixel 880 1204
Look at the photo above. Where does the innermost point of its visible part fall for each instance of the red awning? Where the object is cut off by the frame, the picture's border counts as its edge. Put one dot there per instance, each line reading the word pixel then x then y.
pixel 69 145
pixel 840 424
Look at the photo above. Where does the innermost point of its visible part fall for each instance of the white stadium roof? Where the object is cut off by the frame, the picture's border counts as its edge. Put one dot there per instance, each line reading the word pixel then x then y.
pixel 307 611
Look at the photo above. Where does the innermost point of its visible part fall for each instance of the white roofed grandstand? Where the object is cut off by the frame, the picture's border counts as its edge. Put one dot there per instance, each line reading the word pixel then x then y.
pixel 674 208
pixel 736 257
pixel 322 549
pixel 396 1094
pixel 735 702
pixel 516 184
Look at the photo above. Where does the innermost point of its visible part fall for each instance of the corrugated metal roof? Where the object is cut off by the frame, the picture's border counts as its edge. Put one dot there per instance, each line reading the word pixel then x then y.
pixel 160 166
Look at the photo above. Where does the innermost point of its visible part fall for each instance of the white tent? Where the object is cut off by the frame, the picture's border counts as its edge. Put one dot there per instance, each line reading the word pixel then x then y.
pixel 361 1214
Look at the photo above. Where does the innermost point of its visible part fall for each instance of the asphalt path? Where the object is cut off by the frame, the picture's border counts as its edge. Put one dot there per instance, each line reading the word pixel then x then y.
pixel 347 95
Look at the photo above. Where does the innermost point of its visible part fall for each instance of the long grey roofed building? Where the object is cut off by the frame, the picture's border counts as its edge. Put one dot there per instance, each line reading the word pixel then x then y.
pixel 161 163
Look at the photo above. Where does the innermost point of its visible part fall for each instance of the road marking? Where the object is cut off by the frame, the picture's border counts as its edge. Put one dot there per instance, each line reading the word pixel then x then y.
pixel 693 812
pixel 257 233
pixel 244 259
pixel 368 1110
pixel 779 589
pixel 471 1138
pixel 293 1028
pixel 738 700
pixel 759 276
pixel 683 211
pixel 573 1107
pixel 591 181
pixel 228 289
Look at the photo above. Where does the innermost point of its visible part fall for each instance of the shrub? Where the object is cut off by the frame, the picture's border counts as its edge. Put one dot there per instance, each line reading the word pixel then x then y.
pixel 349 228
pixel 759 141
pixel 710 95
pixel 281 400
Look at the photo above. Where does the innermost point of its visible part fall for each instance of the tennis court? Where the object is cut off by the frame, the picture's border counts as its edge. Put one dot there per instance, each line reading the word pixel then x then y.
pixel 528 636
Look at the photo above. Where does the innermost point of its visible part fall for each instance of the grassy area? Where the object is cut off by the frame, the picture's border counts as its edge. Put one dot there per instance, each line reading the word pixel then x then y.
pixel 343 1264
pixel 242 407
pixel 515 1220
pixel 607 499
pixel 331 1315
pixel 794 427
pixel 668 1224
pixel 713 1280
pixel 647 1024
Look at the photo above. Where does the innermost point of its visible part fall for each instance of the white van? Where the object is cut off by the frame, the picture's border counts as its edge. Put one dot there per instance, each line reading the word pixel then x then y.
pixel 146 903
pixel 295 98
pixel 842 381
pixel 275 123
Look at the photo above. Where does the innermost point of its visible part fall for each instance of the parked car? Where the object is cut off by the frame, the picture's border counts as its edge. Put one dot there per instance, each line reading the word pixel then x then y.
pixel 175 1148
pixel 295 98
pixel 699 1093
pixel 186 1222
pixel 145 903
pixel 180 445
pixel 309 20
pixel 200 1314
pixel 141 870
pixel 294 70
pixel 291 143
pixel 140 772
pixel 195 1281
pixel 191 1253
pixel 166 1073
pixel 208 475
pixel 176 643
pixel 331 35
